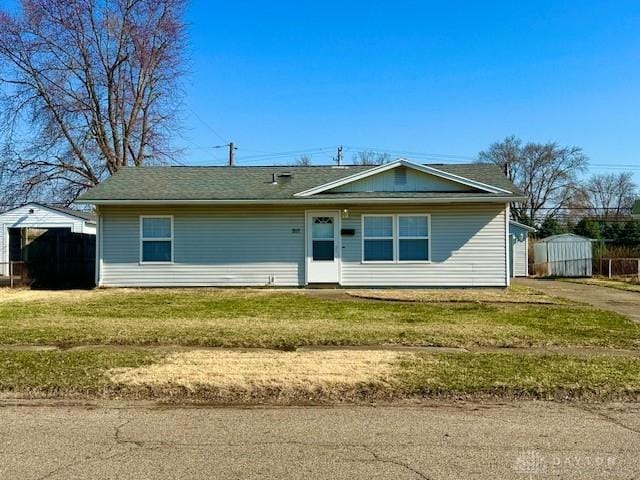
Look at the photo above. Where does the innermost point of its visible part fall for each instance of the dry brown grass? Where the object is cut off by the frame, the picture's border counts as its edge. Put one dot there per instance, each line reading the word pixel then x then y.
pixel 514 294
pixel 243 373
pixel 25 295
pixel 28 295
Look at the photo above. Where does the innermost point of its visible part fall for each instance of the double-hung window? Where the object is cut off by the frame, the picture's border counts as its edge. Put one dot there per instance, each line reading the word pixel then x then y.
pixel 156 239
pixel 396 238
pixel 378 238
pixel 413 238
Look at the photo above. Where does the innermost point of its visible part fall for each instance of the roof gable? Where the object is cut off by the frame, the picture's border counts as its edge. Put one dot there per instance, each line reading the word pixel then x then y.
pixel 433 179
pixel 403 179
pixel 66 212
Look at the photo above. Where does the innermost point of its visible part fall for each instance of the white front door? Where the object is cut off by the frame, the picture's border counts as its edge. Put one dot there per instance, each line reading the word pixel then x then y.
pixel 323 249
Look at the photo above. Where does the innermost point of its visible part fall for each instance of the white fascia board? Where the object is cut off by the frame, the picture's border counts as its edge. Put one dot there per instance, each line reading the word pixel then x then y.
pixel 522 225
pixel 401 162
pixel 308 201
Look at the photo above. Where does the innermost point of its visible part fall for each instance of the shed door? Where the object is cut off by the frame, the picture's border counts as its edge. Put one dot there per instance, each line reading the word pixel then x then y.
pixel 323 250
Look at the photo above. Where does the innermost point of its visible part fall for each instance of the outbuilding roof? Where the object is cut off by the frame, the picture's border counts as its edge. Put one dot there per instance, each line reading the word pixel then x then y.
pixel 239 183
pixel 87 216
pixel 566 237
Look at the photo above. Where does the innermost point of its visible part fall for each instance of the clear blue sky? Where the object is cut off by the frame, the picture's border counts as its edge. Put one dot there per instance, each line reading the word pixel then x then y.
pixel 446 77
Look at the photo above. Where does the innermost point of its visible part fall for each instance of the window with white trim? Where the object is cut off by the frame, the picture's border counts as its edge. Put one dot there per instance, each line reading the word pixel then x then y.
pixel 377 233
pixel 396 238
pixel 413 238
pixel 156 239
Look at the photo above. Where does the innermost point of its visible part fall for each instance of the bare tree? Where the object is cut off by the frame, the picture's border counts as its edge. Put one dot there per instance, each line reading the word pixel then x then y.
pixel 303 161
pixel 546 173
pixel 86 88
pixel 369 157
pixel 608 195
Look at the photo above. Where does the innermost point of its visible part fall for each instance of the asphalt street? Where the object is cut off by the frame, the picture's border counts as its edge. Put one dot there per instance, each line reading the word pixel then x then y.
pixel 437 441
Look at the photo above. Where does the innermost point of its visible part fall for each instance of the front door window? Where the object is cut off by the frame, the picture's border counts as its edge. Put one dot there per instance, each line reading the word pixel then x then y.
pixel 322 241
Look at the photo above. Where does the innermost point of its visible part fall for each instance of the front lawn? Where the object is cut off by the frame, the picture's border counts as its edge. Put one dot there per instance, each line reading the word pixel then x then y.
pixel 336 376
pixel 285 319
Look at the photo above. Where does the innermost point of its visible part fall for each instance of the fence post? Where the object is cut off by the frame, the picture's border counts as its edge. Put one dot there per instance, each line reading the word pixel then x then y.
pixel 609 268
pixel 10 274
pixel 639 270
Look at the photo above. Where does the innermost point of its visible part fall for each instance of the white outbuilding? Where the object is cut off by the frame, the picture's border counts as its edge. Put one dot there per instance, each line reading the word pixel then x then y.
pixel 19 224
pixel 564 255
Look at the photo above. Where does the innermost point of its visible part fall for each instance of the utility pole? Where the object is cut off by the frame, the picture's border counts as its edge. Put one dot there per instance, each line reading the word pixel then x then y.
pixel 231 149
pixel 339 156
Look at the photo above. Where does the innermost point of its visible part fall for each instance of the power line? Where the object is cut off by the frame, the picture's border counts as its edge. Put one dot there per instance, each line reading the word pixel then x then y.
pixel 260 156
pixel 215 132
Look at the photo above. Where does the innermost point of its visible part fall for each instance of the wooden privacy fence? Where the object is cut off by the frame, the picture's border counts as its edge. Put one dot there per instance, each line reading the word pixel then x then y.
pixel 57 258
pixel 61 259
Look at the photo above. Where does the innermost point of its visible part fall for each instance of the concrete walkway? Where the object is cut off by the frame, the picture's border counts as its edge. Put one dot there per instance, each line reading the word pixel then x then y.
pixel 619 301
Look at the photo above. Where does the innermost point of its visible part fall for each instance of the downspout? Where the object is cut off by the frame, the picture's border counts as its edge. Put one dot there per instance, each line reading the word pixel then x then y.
pixel 507 240
pixel 98 279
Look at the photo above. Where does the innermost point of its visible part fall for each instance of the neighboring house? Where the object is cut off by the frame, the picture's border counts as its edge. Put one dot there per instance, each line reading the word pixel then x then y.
pixel 19 225
pixel 398 224
pixel 519 233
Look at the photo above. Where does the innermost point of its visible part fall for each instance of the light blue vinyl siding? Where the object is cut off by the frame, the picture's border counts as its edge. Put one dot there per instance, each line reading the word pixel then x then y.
pixel 266 245
pixel 468 249
pixel 402 179
pixel 212 246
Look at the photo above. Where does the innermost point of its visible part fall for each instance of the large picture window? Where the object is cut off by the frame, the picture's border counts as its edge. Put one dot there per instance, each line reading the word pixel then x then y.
pixel 156 239
pixel 396 238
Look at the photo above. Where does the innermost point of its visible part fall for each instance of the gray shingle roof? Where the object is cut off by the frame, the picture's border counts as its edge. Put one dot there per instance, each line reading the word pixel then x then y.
pixel 255 183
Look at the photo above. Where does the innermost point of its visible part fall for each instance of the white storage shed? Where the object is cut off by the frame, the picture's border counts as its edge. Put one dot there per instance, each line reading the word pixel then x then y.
pixel 564 255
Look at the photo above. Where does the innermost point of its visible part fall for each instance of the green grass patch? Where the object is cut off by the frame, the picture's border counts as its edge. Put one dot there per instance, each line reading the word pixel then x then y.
pixel 255 318
pixel 60 373
pixel 550 376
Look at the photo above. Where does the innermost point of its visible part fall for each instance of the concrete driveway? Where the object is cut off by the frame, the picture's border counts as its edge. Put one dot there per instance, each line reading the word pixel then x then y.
pixel 619 301
pixel 527 440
